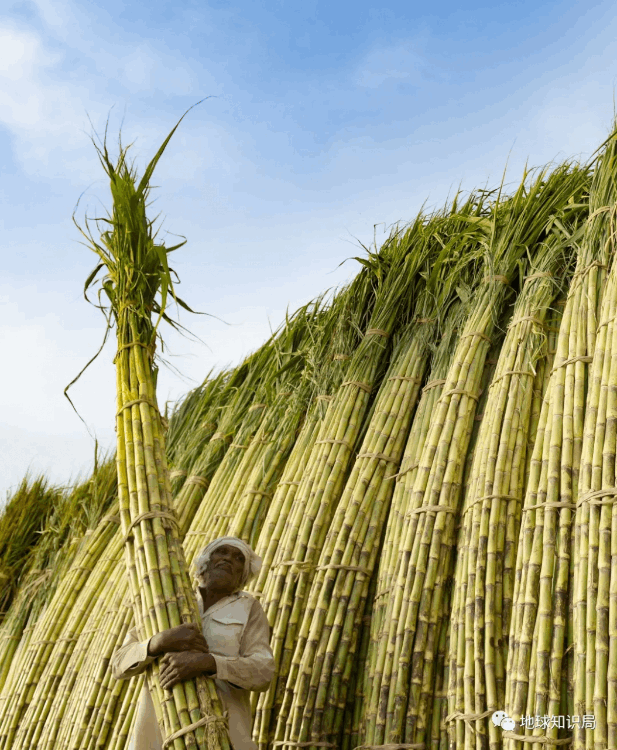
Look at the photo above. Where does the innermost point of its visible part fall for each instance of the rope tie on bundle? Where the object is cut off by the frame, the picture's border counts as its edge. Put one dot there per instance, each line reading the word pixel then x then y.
pixel 491 497
pixel 353 568
pixel 323 398
pixel 433 384
pixel 334 442
pixel 504 279
pixel 405 471
pixel 291 743
pixel 478 334
pixel 145 516
pixel 392 746
pixel 468 718
pixel 110 519
pixel 196 479
pixel 301 565
pixel 138 401
pixel 431 509
pixel 592 497
pixel 191 727
pixel 218 436
pixel 405 379
pixel 380 456
pixel 539 275
pixel 462 391
pixel 177 474
pixel 366 387
pixel 512 372
pixel 377 332
pixel 564 504
pixel 583 358
pixel 258 492
pixel 148 348
pixel 290 482
pixel 524 318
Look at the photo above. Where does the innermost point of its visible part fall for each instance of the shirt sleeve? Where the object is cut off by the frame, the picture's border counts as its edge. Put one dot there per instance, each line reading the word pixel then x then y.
pixel 131 658
pixel 254 668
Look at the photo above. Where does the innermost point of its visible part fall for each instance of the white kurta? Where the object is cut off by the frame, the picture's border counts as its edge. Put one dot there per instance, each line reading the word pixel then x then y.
pixel 238 636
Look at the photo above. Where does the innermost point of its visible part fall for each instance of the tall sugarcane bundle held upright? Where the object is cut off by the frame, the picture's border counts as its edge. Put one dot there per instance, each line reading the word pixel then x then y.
pixel 137 284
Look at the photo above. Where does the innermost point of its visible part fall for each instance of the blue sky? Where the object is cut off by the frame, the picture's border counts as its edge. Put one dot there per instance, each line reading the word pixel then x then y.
pixel 328 123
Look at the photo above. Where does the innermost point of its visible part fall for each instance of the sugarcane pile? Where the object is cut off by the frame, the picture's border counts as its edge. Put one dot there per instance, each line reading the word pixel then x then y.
pixel 424 459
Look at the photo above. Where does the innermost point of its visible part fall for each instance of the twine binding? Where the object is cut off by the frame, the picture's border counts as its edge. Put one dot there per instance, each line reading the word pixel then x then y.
pixel 218 436
pixel 405 471
pixel 433 384
pixel 303 744
pixel 406 379
pixel 354 568
pixel 380 456
pixel 335 442
pixel 302 565
pixel 135 402
pixel 149 349
pixel 366 387
pixel 176 474
pixel 570 361
pixel 377 332
pixel 110 519
pixel 195 725
pixel 479 334
pixel 512 372
pixel 462 391
pixel 392 746
pixel 431 509
pixel 150 514
pixel 196 479
pixel 591 497
pixel 530 318
pixel 550 505
pixel 258 492
pixel 323 398
pixel 280 484
pixel 491 497
pixel 504 279
pixel 539 275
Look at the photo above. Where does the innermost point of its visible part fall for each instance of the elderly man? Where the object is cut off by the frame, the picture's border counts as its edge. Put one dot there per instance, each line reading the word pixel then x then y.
pixel 233 645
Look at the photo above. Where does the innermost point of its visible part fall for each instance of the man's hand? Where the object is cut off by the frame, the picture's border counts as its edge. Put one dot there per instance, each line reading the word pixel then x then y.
pixel 181 638
pixel 176 667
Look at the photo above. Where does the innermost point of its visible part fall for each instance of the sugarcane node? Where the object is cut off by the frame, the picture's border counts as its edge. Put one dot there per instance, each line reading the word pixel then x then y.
pixel 281 484
pixel 583 358
pixel 195 725
pixel 540 739
pixel 377 332
pixel 220 515
pixel 405 379
pixel 145 516
pixel 367 387
pixel 258 492
pixel 433 384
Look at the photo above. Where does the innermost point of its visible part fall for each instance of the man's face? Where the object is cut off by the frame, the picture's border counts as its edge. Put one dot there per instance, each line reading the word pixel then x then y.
pixel 225 568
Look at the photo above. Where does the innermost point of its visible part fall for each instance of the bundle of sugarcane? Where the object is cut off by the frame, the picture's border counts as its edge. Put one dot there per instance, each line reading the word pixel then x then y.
pixel 539 623
pixel 486 554
pixel 377 668
pixel 425 552
pixel 326 642
pixel 136 273
pixel 326 469
pixel 336 337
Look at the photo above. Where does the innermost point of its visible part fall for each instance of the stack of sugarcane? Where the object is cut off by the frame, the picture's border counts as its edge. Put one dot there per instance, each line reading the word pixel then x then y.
pixel 538 679
pixel 137 283
pixel 486 553
pixel 405 458
pixel 327 639
pixel 400 696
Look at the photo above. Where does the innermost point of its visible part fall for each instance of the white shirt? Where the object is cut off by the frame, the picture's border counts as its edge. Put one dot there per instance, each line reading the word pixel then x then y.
pixel 238 636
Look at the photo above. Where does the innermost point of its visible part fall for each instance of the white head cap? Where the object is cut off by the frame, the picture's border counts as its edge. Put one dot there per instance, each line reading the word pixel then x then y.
pixel 252 562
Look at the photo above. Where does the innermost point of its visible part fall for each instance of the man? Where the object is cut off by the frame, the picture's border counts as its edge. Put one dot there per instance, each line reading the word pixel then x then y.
pixel 233 645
